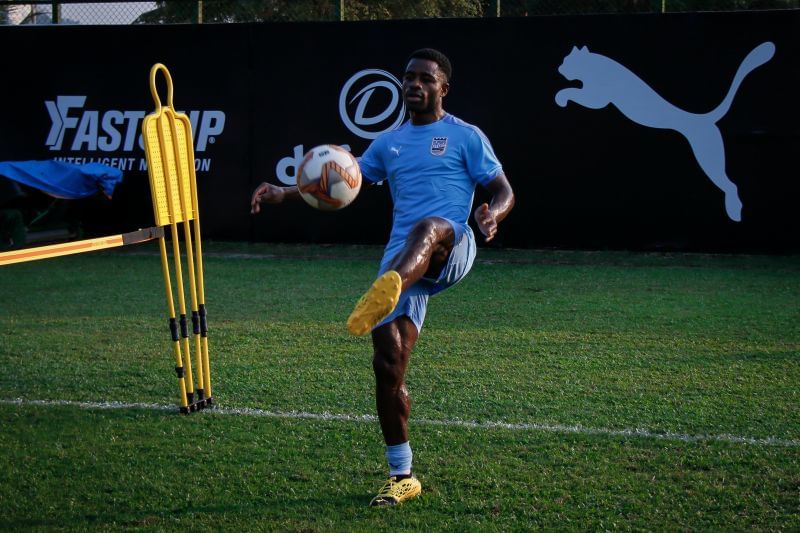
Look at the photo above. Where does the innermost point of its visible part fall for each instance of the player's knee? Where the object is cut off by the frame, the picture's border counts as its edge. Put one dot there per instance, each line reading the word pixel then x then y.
pixel 426 226
pixel 388 366
pixel 430 230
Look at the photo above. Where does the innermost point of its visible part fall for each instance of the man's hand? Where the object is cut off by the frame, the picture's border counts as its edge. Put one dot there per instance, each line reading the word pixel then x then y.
pixel 487 223
pixel 266 193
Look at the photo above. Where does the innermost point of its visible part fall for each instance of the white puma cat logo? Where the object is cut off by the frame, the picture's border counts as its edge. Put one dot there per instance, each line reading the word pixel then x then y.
pixel 395 150
pixel 607 82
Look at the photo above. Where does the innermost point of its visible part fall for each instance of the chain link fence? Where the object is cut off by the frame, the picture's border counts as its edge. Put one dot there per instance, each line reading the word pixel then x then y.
pixel 13 12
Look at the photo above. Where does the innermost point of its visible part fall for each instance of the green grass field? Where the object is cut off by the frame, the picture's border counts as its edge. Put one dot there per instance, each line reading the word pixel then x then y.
pixel 551 390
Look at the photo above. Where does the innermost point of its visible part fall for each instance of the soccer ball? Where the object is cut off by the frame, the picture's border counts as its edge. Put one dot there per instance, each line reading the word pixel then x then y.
pixel 329 177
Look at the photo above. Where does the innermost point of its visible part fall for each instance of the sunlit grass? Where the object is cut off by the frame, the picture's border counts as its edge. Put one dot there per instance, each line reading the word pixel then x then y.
pixel 692 347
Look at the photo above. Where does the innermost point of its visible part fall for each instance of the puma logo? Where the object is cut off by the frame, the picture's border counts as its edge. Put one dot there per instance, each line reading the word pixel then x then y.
pixel 395 150
pixel 607 82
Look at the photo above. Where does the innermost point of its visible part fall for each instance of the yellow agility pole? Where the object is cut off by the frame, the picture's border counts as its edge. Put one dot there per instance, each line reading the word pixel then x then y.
pixel 173 327
pixel 170 156
pixel 78 247
pixel 181 130
pixel 179 133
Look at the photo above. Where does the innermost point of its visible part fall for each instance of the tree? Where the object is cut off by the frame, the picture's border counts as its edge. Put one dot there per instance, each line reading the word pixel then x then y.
pixel 403 9
pixel 172 12
pixel 306 10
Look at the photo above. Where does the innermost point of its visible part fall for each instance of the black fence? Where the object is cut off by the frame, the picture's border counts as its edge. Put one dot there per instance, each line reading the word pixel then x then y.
pixel 641 150
pixel 225 11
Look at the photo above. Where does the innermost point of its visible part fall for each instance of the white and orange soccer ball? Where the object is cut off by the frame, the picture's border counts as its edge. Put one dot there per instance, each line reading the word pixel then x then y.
pixel 329 177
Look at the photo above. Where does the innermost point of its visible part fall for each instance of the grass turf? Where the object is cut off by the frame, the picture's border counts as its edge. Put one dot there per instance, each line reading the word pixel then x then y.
pixel 699 352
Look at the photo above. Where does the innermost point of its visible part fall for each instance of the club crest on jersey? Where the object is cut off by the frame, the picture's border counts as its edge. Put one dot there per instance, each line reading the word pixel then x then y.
pixel 438 145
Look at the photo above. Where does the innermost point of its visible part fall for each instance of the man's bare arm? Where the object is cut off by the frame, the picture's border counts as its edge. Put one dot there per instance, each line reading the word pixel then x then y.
pixel 489 215
pixel 267 193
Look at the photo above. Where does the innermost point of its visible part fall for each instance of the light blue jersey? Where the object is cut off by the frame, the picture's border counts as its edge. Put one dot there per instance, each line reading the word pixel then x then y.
pixel 432 171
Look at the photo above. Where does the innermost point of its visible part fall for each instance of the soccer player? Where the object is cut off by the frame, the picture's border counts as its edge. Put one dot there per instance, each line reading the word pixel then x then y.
pixel 432 163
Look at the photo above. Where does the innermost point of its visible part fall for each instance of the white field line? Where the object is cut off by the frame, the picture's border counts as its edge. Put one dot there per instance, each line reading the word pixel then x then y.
pixel 530 427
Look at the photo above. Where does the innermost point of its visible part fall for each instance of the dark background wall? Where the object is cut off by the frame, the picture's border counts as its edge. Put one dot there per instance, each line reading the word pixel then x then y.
pixel 584 178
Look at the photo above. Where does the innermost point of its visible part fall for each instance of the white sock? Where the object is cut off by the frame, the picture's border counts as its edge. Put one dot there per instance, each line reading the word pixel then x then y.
pixel 399 458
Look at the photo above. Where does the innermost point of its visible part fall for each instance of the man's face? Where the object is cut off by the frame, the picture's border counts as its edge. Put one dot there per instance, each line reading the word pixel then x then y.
pixel 424 86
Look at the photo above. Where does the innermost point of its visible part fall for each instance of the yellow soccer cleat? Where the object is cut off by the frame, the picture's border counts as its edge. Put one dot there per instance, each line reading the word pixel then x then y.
pixel 396 492
pixel 376 304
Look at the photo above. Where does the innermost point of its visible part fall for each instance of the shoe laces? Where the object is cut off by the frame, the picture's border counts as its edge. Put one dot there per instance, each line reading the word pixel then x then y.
pixel 386 490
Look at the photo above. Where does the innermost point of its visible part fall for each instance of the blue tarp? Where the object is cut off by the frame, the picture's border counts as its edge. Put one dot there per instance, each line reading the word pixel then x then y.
pixel 64 180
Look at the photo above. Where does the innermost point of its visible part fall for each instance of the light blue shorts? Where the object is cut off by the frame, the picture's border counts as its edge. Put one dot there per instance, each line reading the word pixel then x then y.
pixel 414 301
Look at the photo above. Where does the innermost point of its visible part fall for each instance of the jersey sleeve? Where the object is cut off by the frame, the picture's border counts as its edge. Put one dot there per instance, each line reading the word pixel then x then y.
pixel 372 166
pixel 482 164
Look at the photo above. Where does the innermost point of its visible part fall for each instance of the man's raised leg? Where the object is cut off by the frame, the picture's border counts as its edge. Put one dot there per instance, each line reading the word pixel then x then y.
pixel 427 248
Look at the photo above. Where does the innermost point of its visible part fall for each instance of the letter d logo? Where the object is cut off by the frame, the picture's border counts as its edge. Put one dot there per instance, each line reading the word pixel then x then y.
pixel 282 170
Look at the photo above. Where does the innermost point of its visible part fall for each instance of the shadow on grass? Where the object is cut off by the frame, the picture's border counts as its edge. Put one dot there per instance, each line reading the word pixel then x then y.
pixel 297 509
pixel 767 357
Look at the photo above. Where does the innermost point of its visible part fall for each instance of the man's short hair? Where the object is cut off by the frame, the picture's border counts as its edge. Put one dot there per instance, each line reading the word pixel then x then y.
pixel 437 57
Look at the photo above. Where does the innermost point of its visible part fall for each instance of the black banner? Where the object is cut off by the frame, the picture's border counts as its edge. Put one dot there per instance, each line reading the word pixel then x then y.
pixel 616 131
